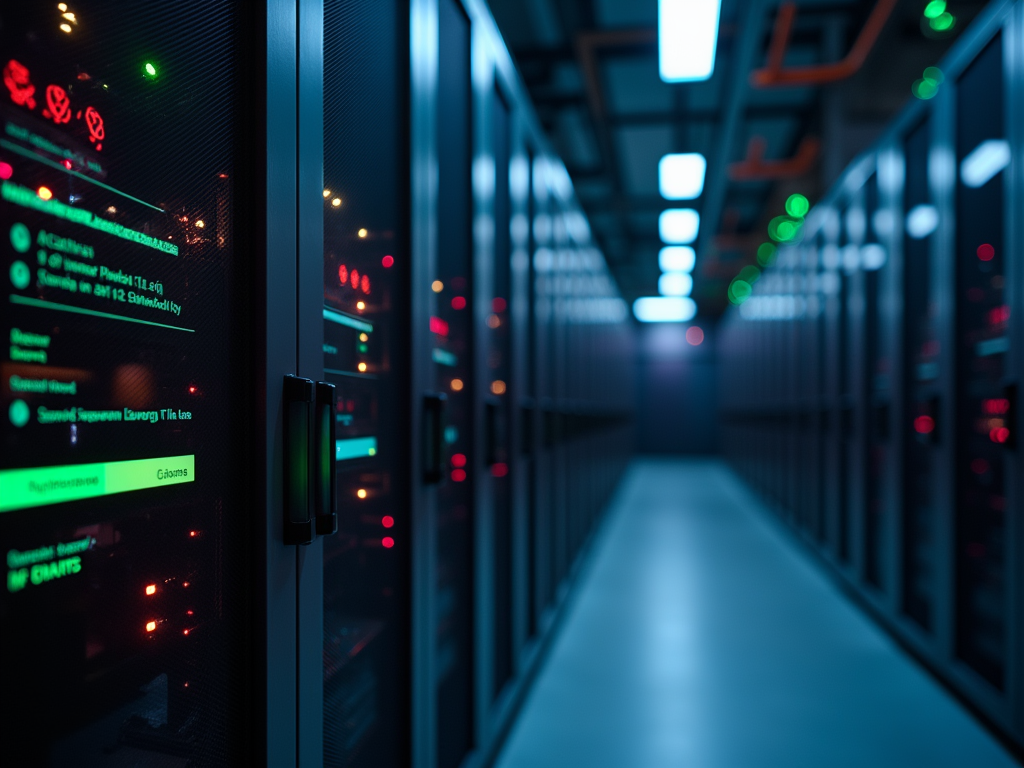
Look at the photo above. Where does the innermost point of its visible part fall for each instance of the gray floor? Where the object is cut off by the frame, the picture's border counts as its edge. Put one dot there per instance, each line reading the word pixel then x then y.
pixel 703 637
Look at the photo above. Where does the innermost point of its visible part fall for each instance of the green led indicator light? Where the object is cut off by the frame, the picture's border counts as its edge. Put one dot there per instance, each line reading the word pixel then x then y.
pixel 150 69
pixel 21 238
pixel 766 254
pixel 934 9
pixel 943 22
pixel 797 206
pixel 21 275
pixel 928 85
pixel 23 488
pixel 739 291
pixel 19 413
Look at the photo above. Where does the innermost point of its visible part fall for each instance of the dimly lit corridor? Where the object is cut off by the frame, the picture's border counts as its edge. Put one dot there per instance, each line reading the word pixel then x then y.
pixel 703 635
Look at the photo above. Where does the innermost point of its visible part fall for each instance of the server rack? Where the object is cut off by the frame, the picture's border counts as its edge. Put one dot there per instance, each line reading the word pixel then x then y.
pixel 915 297
pixel 369 213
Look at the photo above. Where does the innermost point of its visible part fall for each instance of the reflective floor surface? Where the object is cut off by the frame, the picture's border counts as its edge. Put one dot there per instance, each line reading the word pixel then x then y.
pixel 702 636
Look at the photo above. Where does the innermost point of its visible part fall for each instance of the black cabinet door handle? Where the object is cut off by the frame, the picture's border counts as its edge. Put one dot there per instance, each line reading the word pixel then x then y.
pixel 433 437
pixel 298 516
pixel 326 504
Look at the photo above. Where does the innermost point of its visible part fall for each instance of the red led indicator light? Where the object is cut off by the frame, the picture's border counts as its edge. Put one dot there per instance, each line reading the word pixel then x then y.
pixel 924 425
pixel 438 326
pixel 193 534
pixel 986 252
pixel 364 284
pixel 459 302
pixel 694 335
pixel 343 274
pixel 185 632
pixel 388 261
pixel 999 435
pixel 996 406
pixel 458 475
pixel 999 315
pixel 58 104
pixel 18 84
pixel 354 278
pixel 499 305
pixel 459 460
pixel 387 521
pixel 499 470
pixel 6 171
pixel 387 542
pixel 95 125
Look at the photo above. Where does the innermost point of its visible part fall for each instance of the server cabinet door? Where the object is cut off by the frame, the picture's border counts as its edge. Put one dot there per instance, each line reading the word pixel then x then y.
pixel 451 312
pixel 985 389
pixel 148 615
pixel 363 310
pixel 922 425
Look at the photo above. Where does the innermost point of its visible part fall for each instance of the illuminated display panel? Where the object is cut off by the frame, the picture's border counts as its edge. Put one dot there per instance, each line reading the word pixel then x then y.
pixel 366 613
pixel 983 403
pixel 921 406
pixel 122 632
pixel 452 291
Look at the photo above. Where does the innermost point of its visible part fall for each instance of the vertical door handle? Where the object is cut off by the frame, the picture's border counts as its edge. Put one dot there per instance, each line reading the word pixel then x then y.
pixel 433 437
pixel 298 516
pixel 326 504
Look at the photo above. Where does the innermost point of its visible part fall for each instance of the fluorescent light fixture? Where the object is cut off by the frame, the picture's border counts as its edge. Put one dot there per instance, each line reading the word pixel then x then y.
pixel 678 226
pixel 681 177
pixel 687 37
pixel 675 284
pixel 664 309
pixel 922 221
pixel 985 161
pixel 677 258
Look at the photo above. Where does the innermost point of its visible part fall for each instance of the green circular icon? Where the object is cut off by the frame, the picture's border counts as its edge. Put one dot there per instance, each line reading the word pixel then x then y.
pixel 19 413
pixel 21 275
pixel 21 238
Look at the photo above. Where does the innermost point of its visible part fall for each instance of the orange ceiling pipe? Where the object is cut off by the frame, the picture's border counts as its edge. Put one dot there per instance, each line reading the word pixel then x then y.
pixel 774 75
pixel 755 168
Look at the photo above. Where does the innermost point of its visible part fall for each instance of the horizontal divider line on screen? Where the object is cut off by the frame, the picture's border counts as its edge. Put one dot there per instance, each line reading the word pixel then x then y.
pixel 18 150
pixel 42 304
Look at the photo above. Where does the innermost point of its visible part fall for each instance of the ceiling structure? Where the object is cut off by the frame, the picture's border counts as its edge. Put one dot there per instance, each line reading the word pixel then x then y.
pixel 591 67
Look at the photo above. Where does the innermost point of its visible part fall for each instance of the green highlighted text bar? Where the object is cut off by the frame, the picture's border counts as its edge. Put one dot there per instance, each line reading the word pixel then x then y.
pixel 22 488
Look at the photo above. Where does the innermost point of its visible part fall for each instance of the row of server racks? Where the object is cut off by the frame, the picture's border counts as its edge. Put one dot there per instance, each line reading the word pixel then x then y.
pixel 314 385
pixel 872 378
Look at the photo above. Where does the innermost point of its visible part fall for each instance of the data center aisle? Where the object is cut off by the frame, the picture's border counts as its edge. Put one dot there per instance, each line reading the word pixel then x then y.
pixel 702 636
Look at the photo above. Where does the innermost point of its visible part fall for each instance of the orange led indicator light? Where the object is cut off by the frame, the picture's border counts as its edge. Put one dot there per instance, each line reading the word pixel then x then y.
pixel 151 626
pixel 151 589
